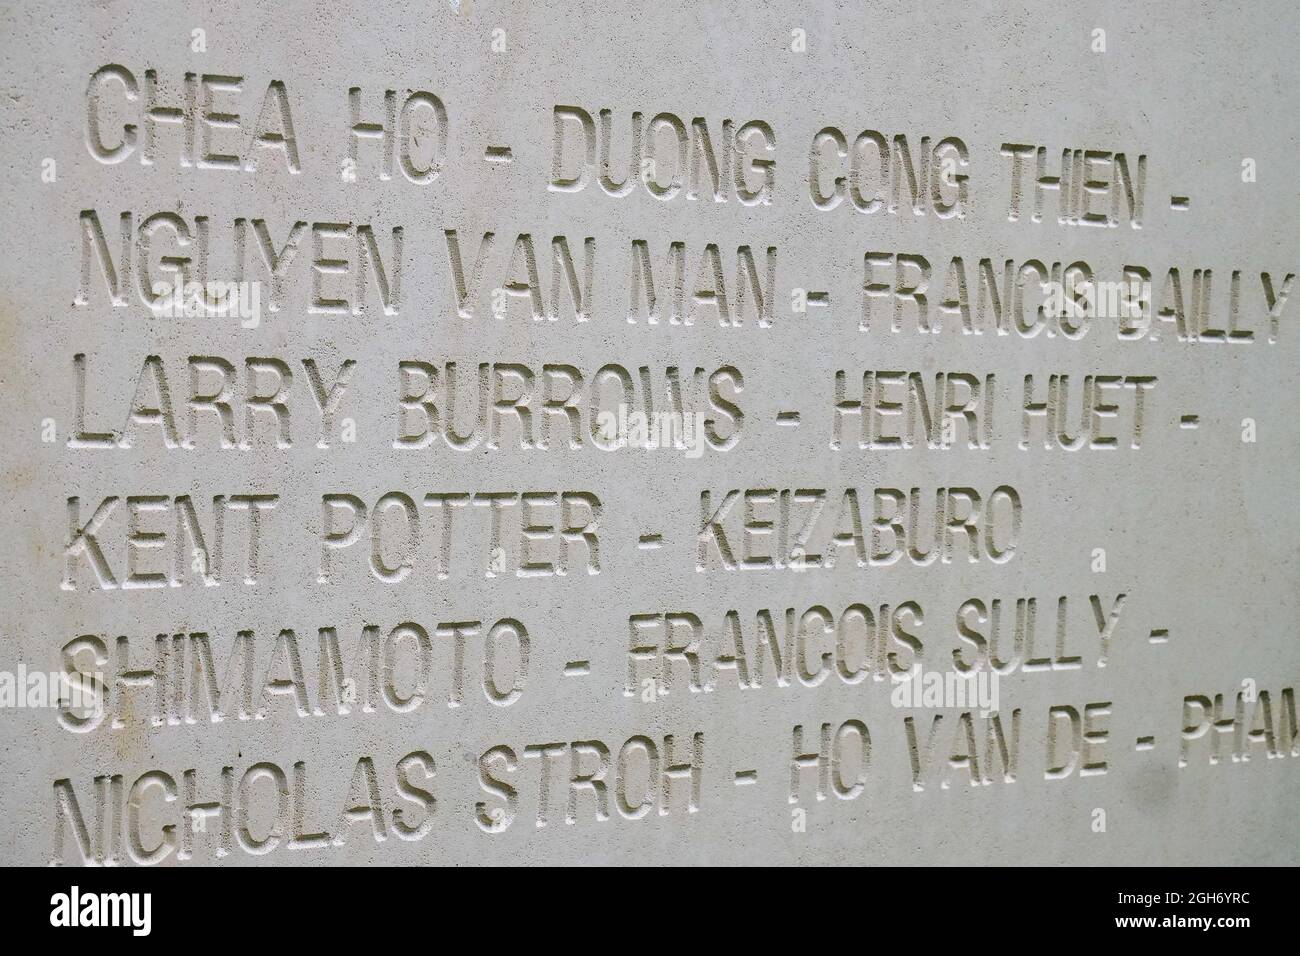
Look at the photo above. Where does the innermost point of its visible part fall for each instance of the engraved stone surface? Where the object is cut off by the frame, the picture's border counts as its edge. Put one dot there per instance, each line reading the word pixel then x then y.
pixel 640 433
